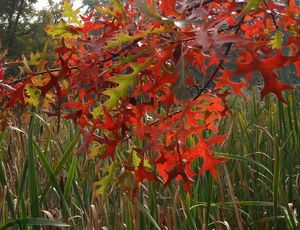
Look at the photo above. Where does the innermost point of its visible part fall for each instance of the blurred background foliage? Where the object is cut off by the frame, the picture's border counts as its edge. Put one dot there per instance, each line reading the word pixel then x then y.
pixel 22 27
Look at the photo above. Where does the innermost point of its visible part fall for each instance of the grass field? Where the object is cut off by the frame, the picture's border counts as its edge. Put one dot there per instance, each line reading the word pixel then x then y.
pixel 43 182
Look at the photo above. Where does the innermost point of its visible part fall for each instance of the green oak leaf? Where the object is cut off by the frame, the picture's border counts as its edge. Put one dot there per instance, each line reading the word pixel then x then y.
pixel 32 95
pixel 106 181
pixel 61 30
pixel 123 38
pixel 276 40
pixel 70 13
pixel 124 81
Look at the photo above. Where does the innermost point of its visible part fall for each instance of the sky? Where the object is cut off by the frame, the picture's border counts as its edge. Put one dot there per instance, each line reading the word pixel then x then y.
pixel 44 3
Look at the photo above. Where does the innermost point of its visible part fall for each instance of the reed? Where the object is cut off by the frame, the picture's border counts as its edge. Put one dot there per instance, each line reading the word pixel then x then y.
pixel 44 183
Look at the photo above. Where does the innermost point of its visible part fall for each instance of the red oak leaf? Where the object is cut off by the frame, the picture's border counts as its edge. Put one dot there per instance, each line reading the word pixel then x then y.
pixel 168 8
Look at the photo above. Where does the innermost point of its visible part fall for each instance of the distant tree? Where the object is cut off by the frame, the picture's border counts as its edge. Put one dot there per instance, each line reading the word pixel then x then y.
pixel 22 27
pixel 14 18
pixel 55 9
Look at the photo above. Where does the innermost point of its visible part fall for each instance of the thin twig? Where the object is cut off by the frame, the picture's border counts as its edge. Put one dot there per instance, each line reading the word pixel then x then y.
pixel 212 76
pixel 205 87
pixel 40 73
pixel 76 67
pixel 272 15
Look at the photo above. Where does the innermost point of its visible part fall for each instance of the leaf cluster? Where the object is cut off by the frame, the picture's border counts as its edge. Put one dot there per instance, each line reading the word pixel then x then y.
pixel 152 77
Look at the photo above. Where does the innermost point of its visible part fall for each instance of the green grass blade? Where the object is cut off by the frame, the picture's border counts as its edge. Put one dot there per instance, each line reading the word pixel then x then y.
pixel 21 197
pixel 243 158
pixel 66 155
pixel 54 136
pixel 242 203
pixel 142 221
pixel 3 181
pixel 23 178
pixel 276 184
pixel 34 222
pixel 79 200
pixel 147 214
pixel 52 177
pixel 70 177
pixel 2 136
pixel 269 218
pixel 32 178
pixel 208 198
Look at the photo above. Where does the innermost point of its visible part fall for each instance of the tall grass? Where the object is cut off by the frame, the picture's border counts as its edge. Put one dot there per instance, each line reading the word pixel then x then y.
pixel 44 183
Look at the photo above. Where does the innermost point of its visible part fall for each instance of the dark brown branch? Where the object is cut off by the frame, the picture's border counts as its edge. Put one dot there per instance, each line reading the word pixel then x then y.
pixel 40 73
pixel 75 67
pixel 272 15
pixel 212 76
pixel 205 87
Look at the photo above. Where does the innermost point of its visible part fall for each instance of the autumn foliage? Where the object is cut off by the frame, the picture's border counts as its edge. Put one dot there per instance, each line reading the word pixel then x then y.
pixel 145 79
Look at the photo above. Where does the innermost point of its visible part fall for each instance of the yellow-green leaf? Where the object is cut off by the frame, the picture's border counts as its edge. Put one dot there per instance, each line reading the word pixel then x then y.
pixel 136 161
pixel 43 58
pixel 70 13
pixel 115 11
pixel 122 38
pixel 295 29
pixel 37 59
pixel 40 80
pixel 276 40
pixel 50 99
pixel 34 58
pixel 96 149
pixel 106 10
pixel 61 30
pixel 124 81
pixel 117 6
pixel 32 95
pixel 106 181
pixel 97 111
